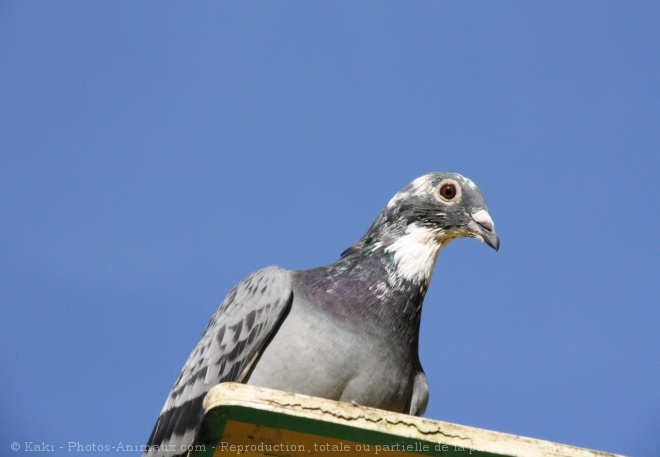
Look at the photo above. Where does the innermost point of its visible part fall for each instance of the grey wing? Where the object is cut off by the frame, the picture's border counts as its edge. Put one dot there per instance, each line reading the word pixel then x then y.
pixel 235 336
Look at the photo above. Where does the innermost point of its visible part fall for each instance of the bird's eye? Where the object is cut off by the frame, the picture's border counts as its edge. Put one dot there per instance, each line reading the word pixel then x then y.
pixel 448 192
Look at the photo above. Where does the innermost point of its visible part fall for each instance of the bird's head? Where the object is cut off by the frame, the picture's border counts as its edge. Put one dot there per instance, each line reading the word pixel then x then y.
pixel 426 215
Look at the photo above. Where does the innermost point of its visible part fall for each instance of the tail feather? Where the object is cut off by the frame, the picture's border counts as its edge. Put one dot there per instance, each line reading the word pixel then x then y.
pixel 175 429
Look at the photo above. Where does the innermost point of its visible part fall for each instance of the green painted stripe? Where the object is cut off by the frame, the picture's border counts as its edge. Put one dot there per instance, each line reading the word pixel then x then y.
pixel 216 420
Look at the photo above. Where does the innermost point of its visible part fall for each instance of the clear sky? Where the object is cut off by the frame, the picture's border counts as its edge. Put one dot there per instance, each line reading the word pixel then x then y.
pixel 153 154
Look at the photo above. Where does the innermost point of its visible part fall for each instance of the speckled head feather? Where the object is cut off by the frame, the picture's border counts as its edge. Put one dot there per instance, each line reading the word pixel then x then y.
pixel 444 205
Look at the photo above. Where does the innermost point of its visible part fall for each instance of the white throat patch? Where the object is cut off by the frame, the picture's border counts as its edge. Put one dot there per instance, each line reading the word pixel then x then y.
pixel 415 253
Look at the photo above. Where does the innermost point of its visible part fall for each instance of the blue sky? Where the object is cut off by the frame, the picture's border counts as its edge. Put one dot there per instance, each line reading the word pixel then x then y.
pixel 153 154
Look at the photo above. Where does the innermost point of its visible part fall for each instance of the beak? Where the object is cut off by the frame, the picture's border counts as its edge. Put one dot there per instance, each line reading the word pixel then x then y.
pixel 482 228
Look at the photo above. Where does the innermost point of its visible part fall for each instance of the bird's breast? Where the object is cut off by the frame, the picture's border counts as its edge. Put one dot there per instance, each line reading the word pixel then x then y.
pixel 342 348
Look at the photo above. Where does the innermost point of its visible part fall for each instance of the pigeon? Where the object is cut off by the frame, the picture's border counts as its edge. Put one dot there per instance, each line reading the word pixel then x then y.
pixel 347 331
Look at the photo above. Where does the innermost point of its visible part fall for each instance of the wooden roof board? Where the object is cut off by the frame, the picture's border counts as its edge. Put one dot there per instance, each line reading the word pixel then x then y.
pixel 253 422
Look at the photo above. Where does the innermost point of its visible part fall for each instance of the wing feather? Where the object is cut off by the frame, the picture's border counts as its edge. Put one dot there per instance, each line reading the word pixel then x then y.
pixel 235 336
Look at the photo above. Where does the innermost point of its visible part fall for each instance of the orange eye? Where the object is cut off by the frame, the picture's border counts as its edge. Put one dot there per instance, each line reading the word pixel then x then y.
pixel 448 191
